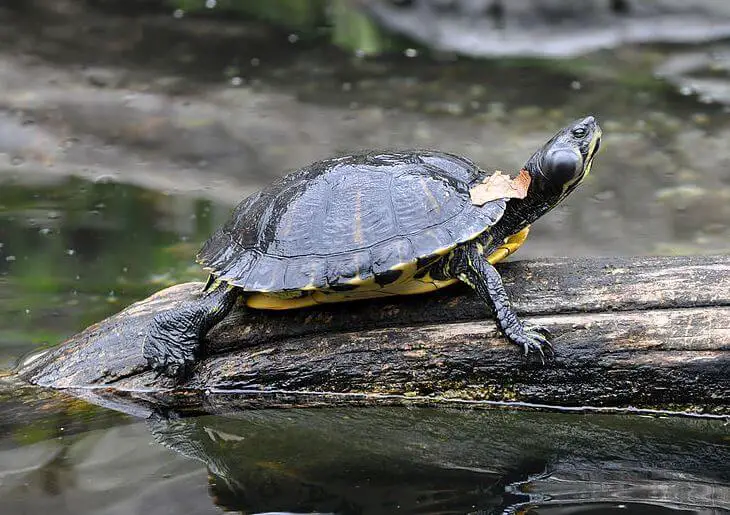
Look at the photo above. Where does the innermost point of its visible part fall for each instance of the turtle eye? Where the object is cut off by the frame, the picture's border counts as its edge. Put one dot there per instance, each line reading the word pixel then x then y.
pixel 579 132
pixel 561 166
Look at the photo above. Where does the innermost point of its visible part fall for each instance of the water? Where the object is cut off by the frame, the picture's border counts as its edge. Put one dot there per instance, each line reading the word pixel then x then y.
pixel 117 171
pixel 74 252
pixel 70 457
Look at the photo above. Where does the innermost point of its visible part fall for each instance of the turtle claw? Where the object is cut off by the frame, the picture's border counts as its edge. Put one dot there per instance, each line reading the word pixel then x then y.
pixel 534 340
pixel 177 371
pixel 165 363
pixel 542 330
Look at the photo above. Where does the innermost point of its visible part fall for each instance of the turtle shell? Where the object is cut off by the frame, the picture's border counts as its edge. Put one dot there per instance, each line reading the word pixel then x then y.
pixel 348 219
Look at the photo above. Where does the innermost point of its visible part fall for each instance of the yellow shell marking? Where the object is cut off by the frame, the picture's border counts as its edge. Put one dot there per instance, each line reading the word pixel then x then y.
pixel 369 289
pixel 510 246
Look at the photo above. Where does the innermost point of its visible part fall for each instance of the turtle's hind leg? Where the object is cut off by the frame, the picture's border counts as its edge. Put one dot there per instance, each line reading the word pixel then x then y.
pixel 174 338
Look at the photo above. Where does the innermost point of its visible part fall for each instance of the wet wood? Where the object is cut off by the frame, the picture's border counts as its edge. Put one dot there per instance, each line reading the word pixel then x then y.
pixel 641 332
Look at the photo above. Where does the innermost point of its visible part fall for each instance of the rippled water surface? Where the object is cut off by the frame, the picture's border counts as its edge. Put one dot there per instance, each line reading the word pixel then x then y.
pixel 114 170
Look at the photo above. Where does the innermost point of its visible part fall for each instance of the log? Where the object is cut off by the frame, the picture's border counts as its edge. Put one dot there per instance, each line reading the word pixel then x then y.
pixel 629 333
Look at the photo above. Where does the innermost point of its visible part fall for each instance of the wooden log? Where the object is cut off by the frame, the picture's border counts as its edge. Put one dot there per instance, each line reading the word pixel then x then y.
pixel 649 332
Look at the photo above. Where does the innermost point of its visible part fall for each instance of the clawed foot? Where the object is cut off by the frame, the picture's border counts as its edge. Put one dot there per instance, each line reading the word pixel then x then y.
pixel 174 367
pixel 171 349
pixel 174 361
pixel 535 339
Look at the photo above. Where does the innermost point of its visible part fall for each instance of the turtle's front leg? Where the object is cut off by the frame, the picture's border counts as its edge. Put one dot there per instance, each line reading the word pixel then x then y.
pixel 470 266
pixel 174 338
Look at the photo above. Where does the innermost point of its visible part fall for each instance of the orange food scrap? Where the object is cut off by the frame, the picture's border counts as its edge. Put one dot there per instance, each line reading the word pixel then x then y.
pixel 500 185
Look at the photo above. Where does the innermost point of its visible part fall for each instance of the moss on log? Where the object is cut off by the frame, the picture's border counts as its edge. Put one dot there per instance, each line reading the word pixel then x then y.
pixel 642 332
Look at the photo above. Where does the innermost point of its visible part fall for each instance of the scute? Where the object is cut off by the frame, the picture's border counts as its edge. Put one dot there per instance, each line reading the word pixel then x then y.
pixel 348 219
pixel 387 255
pixel 418 197
pixel 431 240
pixel 457 167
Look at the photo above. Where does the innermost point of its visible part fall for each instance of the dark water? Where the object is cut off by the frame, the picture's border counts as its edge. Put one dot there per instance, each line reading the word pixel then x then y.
pixel 73 251
pixel 69 457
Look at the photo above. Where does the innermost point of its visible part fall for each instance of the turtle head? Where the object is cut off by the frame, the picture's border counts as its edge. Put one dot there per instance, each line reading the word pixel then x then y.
pixel 555 170
pixel 564 161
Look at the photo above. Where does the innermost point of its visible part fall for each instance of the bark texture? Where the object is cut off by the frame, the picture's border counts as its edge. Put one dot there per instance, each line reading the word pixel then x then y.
pixel 647 332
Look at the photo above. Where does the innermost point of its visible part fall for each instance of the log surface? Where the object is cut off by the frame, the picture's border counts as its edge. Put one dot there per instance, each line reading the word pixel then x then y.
pixel 648 332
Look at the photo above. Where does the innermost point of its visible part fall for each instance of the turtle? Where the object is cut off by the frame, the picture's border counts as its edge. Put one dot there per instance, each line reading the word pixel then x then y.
pixel 370 225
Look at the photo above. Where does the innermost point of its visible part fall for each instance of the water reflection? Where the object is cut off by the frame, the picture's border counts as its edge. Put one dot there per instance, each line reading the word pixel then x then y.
pixel 385 460
pixel 423 461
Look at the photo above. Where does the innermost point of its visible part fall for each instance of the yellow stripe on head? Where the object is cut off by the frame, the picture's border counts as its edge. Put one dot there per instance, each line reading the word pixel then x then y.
pixel 592 151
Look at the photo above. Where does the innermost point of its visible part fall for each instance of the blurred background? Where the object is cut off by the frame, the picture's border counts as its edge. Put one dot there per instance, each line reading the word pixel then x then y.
pixel 130 128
